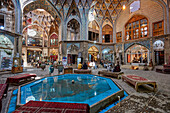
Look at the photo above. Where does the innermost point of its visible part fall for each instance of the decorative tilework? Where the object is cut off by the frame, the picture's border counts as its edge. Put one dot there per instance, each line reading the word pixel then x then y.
pixel 162 39
pixel 97 46
pixel 11 38
pixel 145 43
pixel 69 44
pixel 119 46
pixel 110 47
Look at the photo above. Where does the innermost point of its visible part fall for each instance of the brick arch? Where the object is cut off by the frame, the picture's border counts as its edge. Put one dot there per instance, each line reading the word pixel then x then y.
pixel 35 25
pixel 132 44
pixel 136 17
pixel 42 4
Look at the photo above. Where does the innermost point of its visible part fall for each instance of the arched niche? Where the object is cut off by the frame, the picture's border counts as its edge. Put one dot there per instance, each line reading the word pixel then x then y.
pixel 137 27
pixel 42 4
pixel 34 35
pixel 107 34
pixel 53 40
pixel 93 53
pixel 93 31
pixel 137 54
pixel 72 54
pixel 107 54
pixel 73 30
pixel 158 47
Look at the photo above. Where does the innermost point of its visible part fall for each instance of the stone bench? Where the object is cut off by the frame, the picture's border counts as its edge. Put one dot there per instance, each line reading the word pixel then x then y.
pixel 20 78
pixel 111 74
pixel 82 71
pixel 137 81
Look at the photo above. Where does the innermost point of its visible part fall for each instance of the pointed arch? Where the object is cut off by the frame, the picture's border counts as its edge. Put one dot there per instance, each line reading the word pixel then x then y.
pixel 107 22
pixel 42 4
pixel 107 33
pixel 73 29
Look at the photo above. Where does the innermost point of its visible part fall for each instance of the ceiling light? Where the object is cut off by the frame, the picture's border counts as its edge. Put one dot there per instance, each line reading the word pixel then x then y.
pixel 1 27
pixel 124 7
pixel 40 9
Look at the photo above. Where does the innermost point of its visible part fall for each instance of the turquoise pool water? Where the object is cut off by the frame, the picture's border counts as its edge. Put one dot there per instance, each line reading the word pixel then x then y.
pixel 13 102
pixel 73 88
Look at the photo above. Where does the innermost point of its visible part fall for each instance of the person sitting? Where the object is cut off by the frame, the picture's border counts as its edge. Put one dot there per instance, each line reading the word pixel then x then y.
pixel 151 64
pixel 117 68
pixel 84 66
pixel 79 65
pixel 145 67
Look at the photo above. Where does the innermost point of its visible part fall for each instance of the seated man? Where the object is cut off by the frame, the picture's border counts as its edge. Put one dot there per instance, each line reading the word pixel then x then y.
pixel 84 66
pixel 117 68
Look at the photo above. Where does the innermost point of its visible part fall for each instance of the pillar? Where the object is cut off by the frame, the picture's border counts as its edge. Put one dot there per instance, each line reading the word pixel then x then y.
pixel 100 34
pixel 152 56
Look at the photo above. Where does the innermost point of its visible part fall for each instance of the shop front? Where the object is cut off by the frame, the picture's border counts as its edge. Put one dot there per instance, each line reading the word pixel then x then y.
pixel 107 55
pixel 34 56
pixel 158 47
pixel 137 54
pixel 72 54
pixel 93 54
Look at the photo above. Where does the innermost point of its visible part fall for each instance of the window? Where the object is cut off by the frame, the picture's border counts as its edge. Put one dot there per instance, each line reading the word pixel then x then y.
pixel 2 22
pixel 158 28
pixel 136 28
pixel 54 40
pixel 135 6
pixel 119 37
pixel 93 31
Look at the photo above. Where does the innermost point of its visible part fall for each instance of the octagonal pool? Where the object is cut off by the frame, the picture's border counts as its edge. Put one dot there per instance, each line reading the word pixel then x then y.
pixel 72 88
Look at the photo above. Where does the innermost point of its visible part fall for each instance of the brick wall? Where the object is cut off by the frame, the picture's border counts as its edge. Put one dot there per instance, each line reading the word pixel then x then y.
pixel 169 20
pixel 152 10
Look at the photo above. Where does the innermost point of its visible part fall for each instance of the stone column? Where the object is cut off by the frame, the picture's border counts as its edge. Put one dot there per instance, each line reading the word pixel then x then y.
pixel 123 53
pixel 26 39
pixel 43 41
pixel 64 49
pixel 114 33
pixel 100 34
pixel 20 49
pixel 85 51
pixel 152 56
pixel 168 18
pixel 167 50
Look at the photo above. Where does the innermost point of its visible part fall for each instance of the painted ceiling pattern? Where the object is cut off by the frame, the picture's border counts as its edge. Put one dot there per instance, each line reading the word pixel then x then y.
pixel 7 4
pixel 103 9
pixel 41 21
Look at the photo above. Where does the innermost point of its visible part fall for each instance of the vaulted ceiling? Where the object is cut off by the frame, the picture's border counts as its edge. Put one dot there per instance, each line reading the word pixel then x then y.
pixel 103 9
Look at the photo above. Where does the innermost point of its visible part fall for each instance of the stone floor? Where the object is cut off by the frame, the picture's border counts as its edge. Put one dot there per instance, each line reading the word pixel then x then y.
pixel 137 102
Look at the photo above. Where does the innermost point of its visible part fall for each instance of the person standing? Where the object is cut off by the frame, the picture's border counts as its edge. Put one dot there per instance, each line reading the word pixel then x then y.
pixel 51 69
